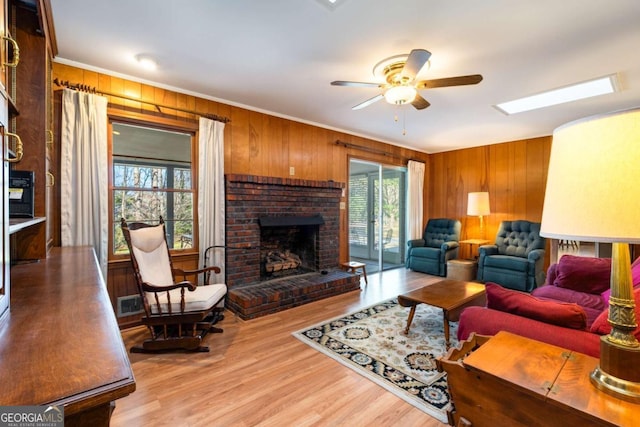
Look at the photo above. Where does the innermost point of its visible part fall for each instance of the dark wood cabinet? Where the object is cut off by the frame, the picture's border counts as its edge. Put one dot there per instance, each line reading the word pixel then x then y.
pixel 33 97
pixel 5 284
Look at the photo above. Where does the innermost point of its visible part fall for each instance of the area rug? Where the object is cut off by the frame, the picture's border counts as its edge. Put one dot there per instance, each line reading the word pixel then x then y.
pixel 372 342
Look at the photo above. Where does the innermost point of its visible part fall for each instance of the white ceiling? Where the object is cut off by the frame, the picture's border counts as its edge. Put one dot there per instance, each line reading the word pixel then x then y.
pixel 279 57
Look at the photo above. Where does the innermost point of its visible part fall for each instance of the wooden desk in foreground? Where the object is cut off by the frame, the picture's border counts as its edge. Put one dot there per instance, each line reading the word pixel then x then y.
pixel 60 343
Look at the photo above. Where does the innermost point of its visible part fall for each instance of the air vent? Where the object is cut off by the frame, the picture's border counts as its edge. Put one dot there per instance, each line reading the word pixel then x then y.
pixel 129 305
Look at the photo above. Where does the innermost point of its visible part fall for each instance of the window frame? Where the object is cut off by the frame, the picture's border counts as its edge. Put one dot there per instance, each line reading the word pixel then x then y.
pixel 160 123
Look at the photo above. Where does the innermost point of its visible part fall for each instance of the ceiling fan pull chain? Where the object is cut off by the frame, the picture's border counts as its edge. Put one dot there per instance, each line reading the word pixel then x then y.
pixel 404 122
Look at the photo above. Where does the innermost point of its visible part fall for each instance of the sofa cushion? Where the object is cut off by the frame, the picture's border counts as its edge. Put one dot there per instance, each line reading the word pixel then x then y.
pixel 485 321
pixel 583 274
pixel 606 294
pixel 569 315
pixel 583 299
pixel 635 272
pixel 635 277
pixel 601 325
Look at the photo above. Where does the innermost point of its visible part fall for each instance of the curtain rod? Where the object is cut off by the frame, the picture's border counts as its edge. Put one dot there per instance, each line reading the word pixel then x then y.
pixel 374 150
pixel 365 148
pixel 89 89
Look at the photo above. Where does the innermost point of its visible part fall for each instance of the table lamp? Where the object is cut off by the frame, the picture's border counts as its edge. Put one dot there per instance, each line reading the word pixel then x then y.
pixel 478 205
pixel 593 195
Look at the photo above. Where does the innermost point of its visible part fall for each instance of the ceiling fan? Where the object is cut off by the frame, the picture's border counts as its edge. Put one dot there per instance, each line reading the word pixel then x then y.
pixel 400 87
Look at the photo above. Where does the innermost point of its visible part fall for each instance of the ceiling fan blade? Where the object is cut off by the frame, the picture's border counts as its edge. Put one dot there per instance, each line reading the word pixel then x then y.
pixel 368 102
pixel 355 84
pixel 449 81
pixel 419 103
pixel 415 61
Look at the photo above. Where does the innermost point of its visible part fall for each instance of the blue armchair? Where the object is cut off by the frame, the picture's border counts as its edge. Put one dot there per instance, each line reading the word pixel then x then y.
pixel 516 261
pixel 438 245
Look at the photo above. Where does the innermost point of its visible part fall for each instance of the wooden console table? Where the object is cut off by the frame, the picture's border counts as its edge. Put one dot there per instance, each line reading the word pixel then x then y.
pixel 60 343
pixel 515 381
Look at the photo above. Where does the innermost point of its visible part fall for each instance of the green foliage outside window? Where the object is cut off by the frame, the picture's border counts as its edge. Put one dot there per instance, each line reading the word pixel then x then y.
pixel 146 187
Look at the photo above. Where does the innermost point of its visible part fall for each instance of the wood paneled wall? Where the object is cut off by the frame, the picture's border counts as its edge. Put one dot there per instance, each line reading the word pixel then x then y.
pixel 514 174
pixel 255 144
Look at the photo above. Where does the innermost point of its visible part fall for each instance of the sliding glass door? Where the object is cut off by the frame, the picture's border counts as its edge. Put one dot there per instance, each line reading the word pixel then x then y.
pixel 377 206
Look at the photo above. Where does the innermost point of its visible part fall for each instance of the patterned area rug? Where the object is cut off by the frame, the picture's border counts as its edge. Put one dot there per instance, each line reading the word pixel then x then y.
pixel 372 342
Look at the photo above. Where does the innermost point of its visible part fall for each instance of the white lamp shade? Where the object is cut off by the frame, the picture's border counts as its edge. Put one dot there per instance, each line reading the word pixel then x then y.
pixel 478 204
pixel 593 184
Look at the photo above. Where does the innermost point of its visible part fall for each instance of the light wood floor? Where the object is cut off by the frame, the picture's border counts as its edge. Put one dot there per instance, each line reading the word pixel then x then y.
pixel 257 373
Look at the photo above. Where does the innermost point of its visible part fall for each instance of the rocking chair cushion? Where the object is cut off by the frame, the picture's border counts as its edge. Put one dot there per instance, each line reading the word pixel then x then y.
pixel 150 250
pixel 203 298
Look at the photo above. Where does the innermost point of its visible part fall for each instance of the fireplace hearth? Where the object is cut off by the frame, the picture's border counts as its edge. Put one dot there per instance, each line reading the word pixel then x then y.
pixel 267 216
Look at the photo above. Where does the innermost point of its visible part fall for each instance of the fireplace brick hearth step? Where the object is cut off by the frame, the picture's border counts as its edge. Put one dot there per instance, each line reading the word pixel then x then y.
pixel 264 298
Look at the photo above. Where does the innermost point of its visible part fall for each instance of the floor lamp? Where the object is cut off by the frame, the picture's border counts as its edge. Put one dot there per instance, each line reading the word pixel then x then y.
pixel 478 205
pixel 593 195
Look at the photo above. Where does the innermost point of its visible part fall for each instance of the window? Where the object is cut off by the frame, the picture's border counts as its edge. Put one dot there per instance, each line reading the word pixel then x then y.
pixel 152 177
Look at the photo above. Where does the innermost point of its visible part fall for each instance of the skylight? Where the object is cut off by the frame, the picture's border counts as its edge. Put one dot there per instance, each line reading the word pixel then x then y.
pixel 588 89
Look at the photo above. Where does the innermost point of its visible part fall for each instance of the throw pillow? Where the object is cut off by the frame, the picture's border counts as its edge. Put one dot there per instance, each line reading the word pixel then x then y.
pixel 635 272
pixel 569 315
pixel 583 274
pixel 635 277
pixel 606 294
pixel 601 326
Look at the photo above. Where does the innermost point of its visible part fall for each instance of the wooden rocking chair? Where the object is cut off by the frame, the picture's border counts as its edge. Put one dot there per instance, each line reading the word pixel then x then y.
pixel 177 314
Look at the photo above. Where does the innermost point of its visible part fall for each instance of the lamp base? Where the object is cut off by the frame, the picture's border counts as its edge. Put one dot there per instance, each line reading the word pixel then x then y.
pixel 616 375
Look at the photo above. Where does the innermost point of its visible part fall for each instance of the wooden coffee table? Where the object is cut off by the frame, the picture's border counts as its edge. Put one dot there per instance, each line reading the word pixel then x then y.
pixel 449 295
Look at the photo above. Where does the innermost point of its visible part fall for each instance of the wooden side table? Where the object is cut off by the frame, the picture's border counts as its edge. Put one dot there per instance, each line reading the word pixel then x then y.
pixel 515 381
pixel 354 266
pixel 474 242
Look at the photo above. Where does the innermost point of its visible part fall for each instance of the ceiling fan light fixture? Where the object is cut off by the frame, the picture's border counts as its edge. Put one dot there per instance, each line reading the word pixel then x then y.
pixel 331 4
pixel 400 95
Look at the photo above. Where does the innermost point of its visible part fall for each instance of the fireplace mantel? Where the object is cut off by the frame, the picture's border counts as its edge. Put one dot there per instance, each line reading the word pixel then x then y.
pixel 290 220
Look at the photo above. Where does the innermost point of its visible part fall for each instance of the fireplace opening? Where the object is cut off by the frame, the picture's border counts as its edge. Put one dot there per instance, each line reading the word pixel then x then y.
pixel 288 246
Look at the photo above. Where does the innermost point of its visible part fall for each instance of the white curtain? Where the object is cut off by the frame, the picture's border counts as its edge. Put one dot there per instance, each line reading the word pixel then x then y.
pixel 415 204
pixel 211 214
pixel 83 181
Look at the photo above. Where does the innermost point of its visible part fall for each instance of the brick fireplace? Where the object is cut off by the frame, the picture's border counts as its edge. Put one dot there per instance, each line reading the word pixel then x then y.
pixel 285 210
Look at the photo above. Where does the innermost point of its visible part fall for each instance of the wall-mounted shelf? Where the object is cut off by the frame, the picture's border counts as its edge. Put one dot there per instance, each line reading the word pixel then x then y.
pixel 17 224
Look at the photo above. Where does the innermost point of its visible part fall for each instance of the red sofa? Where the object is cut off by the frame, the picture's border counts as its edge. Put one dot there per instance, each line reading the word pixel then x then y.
pixel 569 310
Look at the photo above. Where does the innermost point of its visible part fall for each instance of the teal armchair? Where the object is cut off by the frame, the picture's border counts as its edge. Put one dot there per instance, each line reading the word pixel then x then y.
pixel 438 245
pixel 516 260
